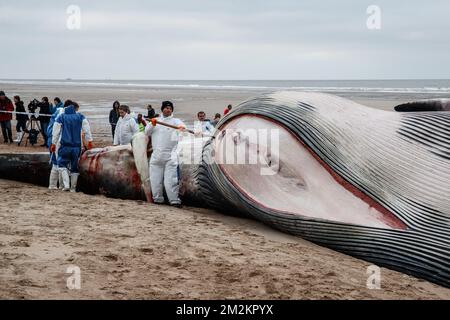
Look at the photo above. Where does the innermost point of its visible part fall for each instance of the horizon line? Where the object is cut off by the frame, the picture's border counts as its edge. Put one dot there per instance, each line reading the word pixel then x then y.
pixel 117 79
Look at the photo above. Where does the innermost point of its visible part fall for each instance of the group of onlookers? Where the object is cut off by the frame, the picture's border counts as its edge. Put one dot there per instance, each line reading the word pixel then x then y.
pixel 124 124
pixel 6 115
pixel 63 127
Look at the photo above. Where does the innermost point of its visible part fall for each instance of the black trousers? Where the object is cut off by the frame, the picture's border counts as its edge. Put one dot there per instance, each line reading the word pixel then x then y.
pixel 6 130
pixel 44 126
pixel 113 130
pixel 21 125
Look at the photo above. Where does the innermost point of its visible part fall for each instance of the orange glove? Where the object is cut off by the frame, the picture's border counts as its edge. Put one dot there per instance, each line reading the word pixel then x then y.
pixel 90 145
pixel 53 148
pixel 153 120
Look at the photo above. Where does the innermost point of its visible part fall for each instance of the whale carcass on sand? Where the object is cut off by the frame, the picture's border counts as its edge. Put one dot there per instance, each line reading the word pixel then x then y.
pixel 369 183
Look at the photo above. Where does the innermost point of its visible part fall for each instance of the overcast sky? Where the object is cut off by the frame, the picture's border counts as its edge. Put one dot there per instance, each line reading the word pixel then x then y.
pixel 225 39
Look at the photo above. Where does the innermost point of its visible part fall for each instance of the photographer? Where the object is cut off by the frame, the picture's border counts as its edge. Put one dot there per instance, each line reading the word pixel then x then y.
pixel 21 126
pixel 6 117
pixel 44 118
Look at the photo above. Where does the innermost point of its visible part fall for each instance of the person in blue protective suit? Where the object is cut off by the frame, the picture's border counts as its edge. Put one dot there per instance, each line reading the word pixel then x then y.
pixel 55 177
pixel 164 159
pixel 57 104
pixel 68 129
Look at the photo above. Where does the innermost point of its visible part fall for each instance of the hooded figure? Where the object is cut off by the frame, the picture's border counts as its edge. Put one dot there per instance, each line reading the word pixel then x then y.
pixel 67 129
pixel 164 159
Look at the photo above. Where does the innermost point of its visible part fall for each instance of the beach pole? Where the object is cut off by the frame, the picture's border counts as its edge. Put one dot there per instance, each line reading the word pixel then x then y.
pixel 173 127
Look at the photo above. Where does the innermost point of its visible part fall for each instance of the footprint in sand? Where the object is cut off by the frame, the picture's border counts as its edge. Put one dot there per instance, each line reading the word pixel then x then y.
pixel 111 257
pixel 146 250
pixel 175 264
pixel 20 243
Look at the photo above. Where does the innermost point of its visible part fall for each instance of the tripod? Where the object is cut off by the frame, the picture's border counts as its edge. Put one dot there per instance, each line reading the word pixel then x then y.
pixel 31 131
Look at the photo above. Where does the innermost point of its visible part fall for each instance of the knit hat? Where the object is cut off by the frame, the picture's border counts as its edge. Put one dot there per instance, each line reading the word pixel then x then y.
pixel 167 104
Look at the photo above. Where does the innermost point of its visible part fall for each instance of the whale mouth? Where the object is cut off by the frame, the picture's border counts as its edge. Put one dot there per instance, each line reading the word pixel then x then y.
pixel 275 170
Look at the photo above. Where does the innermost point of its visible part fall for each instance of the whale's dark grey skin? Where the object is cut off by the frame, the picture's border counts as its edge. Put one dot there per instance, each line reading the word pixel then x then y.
pixel 372 184
pixel 26 167
pixel 109 171
pixel 424 105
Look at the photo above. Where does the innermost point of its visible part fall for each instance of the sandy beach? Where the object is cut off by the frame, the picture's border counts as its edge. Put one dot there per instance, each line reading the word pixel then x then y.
pixel 342 141
pixel 135 250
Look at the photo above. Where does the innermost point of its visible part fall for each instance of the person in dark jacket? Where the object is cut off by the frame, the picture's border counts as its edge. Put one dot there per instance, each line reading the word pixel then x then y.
pixel 216 119
pixel 21 126
pixel 151 112
pixel 6 117
pixel 44 118
pixel 114 117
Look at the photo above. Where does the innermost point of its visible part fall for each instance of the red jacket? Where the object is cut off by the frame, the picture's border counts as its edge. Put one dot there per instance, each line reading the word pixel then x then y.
pixel 6 105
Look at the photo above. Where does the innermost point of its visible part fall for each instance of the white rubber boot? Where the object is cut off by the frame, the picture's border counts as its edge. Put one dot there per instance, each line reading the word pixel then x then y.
pixel 18 136
pixel 60 181
pixel 21 134
pixel 65 179
pixel 54 174
pixel 73 182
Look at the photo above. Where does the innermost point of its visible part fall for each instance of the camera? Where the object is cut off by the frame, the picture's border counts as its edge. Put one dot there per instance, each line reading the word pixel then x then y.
pixel 33 105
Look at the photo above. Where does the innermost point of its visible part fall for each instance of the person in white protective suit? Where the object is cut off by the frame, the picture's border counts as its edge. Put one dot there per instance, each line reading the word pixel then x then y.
pixel 164 159
pixel 126 127
pixel 203 126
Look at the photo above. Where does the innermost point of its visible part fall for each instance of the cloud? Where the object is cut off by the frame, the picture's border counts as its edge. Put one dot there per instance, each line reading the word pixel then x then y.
pixel 202 39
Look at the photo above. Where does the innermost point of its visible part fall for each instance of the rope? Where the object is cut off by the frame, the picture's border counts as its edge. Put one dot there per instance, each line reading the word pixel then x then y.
pixel 36 114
